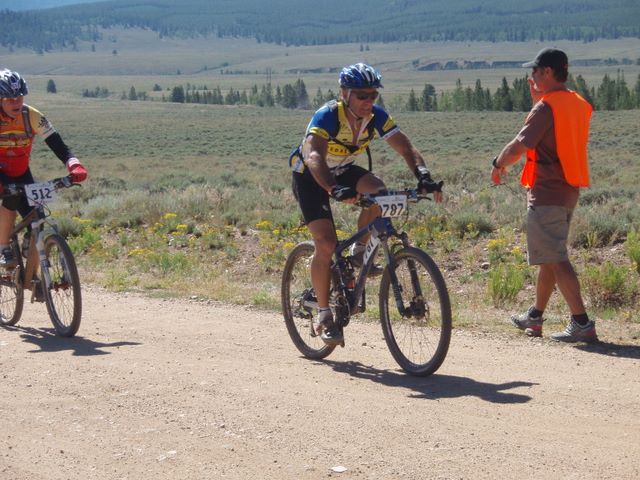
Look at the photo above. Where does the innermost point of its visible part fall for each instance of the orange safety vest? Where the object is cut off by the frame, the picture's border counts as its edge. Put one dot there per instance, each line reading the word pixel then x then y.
pixel 571 115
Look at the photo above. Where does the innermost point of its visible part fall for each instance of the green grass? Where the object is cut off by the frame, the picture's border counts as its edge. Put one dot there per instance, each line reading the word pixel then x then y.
pixel 222 172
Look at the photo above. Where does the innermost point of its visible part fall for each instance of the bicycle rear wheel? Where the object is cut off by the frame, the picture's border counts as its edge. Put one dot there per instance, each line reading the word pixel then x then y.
pixel 11 293
pixel 63 298
pixel 299 303
pixel 419 333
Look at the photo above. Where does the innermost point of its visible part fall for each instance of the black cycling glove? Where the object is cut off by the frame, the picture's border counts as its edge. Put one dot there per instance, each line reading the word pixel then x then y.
pixel 425 182
pixel 342 193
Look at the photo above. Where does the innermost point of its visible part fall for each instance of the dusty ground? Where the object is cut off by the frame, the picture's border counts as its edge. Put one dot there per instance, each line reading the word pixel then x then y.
pixel 166 389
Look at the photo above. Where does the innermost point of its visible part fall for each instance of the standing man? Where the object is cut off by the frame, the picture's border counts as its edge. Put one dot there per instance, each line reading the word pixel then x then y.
pixel 554 138
pixel 19 123
pixel 323 166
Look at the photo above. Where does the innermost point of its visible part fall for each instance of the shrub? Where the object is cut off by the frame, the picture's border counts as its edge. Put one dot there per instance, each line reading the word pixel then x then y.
pixel 505 282
pixel 608 285
pixel 632 247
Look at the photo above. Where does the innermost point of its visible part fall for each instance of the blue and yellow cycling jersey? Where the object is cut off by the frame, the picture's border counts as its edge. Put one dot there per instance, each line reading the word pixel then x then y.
pixel 330 122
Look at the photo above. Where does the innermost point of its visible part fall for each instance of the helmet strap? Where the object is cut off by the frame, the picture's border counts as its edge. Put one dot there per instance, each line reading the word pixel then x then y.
pixel 346 104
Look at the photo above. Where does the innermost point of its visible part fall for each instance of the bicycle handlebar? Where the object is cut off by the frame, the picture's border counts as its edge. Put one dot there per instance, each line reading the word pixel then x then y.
pixel 13 189
pixel 412 194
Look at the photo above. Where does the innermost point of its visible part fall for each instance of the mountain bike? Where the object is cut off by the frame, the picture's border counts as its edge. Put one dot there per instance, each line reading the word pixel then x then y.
pixel 415 309
pixel 46 265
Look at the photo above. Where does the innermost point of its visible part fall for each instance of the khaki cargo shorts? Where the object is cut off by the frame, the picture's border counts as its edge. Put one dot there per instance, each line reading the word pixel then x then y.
pixel 547 234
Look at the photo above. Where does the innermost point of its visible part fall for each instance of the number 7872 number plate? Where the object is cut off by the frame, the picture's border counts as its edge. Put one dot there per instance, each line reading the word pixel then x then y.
pixel 40 193
pixel 392 205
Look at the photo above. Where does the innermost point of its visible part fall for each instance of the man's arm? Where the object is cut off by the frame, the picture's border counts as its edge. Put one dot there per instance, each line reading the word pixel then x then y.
pixel 509 155
pixel 415 161
pixel 315 154
pixel 401 144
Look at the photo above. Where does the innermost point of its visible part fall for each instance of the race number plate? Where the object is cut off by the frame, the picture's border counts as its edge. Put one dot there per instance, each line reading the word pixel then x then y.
pixel 40 193
pixel 392 205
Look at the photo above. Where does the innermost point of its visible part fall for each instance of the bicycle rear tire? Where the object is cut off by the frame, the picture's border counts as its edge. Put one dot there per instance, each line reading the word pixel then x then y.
pixel 419 338
pixel 296 289
pixel 62 296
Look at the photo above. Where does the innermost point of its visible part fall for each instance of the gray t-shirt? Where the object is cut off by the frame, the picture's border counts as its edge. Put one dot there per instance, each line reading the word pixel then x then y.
pixel 550 187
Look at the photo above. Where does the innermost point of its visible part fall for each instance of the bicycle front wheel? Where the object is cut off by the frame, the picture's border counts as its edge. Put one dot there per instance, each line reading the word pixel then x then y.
pixel 63 298
pixel 11 293
pixel 299 303
pixel 415 312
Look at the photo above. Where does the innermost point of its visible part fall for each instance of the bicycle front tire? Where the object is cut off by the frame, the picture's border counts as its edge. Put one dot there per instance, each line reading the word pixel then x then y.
pixel 419 336
pixel 11 293
pixel 62 296
pixel 296 292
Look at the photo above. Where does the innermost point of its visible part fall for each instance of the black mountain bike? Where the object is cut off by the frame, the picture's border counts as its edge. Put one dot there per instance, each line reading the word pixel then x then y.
pixel 48 269
pixel 415 310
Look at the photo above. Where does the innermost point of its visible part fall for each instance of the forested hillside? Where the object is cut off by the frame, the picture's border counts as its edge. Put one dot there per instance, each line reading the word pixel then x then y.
pixel 307 22
pixel 38 4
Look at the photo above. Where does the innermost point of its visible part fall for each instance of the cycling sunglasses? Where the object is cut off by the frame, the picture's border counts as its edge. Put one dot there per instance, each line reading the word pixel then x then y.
pixel 366 96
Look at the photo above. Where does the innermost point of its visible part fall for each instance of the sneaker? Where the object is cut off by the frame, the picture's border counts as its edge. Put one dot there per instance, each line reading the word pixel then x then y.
pixel 577 333
pixel 333 335
pixel 7 259
pixel 323 321
pixel 532 326
pixel 356 257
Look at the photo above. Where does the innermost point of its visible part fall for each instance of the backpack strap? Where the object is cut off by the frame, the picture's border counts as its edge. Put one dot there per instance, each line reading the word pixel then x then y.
pixel 353 148
pixel 28 130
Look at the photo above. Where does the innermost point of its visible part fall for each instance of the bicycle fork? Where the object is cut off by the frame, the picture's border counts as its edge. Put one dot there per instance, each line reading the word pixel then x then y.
pixel 395 284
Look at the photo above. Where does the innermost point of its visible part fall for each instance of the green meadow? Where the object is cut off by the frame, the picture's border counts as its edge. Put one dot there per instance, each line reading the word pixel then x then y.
pixel 194 200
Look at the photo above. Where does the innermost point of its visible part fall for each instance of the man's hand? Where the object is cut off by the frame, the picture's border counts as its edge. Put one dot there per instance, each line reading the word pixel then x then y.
pixel 344 194
pixel 497 171
pixel 427 185
pixel 536 94
pixel 76 170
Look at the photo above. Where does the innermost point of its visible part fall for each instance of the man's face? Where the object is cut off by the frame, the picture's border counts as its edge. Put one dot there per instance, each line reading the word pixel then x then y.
pixel 541 76
pixel 361 100
pixel 12 106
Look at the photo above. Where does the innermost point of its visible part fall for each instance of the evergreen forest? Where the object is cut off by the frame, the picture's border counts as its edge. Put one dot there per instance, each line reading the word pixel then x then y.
pixel 304 22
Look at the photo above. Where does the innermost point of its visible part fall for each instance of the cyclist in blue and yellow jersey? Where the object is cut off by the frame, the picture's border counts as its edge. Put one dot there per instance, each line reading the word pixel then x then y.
pixel 19 123
pixel 323 166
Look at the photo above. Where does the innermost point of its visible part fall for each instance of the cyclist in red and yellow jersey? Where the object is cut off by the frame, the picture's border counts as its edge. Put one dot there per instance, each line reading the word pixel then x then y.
pixel 19 123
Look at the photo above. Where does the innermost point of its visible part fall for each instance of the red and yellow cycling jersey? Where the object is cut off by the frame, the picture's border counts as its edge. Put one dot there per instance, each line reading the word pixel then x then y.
pixel 330 122
pixel 16 139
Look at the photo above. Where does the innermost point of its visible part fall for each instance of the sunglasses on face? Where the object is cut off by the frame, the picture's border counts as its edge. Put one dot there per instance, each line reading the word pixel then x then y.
pixel 366 96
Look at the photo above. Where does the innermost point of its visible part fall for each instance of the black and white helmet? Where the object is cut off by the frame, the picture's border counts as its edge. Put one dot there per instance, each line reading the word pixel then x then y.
pixel 12 85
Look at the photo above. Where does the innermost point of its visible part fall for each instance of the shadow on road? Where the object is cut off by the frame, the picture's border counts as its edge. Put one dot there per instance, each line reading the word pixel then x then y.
pixel 436 386
pixel 611 349
pixel 47 341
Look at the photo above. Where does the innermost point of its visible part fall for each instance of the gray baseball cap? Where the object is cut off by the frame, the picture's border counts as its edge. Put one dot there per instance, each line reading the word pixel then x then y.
pixel 549 57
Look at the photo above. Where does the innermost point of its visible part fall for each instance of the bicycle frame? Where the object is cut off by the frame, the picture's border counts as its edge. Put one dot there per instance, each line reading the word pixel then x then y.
pixel 36 219
pixel 380 230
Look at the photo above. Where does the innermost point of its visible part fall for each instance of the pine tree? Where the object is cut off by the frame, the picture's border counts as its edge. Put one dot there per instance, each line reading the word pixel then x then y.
pixel 177 94
pixel 412 102
pixel 428 97
pixel 289 96
pixel 302 98
pixel 318 100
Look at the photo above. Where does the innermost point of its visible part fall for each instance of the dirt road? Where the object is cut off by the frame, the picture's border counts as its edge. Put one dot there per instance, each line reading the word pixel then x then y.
pixel 166 389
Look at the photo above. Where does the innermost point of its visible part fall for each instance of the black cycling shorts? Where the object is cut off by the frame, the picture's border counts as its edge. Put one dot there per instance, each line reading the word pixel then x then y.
pixel 18 202
pixel 313 199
